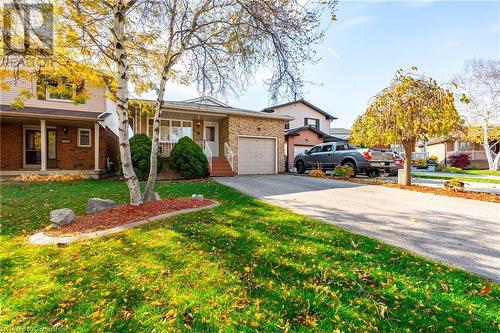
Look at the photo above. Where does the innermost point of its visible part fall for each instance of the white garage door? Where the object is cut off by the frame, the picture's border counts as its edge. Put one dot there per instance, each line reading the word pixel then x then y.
pixel 256 156
pixel 300 149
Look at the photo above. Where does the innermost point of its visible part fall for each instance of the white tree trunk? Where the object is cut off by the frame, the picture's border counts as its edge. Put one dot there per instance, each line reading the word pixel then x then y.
pixel 122 103
pixel 149 191
pixel 486 146
pixel 496 162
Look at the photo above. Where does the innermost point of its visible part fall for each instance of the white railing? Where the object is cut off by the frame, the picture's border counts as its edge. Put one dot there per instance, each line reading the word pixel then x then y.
pixel 165 147
pixel 208 154
pixel 473 154
pixel 229 154
pixel 419 155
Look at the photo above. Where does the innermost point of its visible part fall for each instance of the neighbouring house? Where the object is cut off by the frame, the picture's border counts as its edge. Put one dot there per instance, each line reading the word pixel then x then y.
pixel 444 148
pixel 310 126
pixel 235 141
pixel 341 133
pixel 51 134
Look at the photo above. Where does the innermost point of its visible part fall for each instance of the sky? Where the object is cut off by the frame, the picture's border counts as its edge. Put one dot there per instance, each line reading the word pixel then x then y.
pixel 371 40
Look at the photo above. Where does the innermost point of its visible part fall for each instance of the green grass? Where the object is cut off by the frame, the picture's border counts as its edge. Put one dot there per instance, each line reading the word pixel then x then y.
pixel 464 179
pixel 243 266
pixel 482 172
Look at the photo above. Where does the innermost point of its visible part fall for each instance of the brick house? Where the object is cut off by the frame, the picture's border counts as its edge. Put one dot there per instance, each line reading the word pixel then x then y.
pixel 235 141
pixel 310 126
pixel 52 134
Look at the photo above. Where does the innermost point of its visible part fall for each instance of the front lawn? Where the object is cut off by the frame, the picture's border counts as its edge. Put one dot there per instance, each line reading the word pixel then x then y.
pixel 458 176
pixel 243 266
pixel 482 172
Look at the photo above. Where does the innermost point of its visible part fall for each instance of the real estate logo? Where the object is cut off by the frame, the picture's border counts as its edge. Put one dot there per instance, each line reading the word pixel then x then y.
pixel 27 31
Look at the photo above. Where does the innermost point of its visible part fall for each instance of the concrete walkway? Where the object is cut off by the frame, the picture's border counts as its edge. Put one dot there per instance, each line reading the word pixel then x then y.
pixel 461 232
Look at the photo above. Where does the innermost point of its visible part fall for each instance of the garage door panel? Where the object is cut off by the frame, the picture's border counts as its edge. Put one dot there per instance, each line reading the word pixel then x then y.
pixel 256 156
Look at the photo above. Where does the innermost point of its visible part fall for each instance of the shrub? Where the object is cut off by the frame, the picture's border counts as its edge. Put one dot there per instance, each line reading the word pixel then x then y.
pixel 318 173
pixel 459 160
pixel 454 185
pixel 451 169
pixel 432 158
pixel 188 159
pixel 56 177
pixel 343 171
pixel 140 148
pixel 420 163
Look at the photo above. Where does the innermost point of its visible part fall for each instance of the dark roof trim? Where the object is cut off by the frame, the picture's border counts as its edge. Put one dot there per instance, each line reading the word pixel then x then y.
pixel 296 131
pixel 326 114
pixel 41 112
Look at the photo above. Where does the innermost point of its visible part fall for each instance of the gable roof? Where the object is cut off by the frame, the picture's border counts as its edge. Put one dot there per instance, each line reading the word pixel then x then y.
pixel 271 109
pixel 296 131
pixel 207 100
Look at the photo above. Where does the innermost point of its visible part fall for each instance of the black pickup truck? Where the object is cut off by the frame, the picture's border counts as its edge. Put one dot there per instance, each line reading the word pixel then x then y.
pixel 371 161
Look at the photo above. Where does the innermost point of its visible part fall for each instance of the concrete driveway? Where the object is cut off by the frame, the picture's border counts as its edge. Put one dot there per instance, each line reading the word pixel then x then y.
pixel 461 232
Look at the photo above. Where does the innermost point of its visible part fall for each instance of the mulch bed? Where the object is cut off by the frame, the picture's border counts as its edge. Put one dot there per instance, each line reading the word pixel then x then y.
pixel 124 214
pixel 490 197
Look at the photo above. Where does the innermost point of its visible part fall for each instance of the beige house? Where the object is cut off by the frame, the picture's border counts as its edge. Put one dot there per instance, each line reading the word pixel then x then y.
pixel 310 126
pixel 443 148
pixel 235 141
pixel 51 134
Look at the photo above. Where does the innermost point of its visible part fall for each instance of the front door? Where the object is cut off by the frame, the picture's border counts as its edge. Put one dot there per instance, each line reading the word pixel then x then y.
pixel 211 136
pixel 33 148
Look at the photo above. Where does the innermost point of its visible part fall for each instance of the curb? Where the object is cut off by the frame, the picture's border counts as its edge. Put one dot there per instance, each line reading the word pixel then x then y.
pixel 42 239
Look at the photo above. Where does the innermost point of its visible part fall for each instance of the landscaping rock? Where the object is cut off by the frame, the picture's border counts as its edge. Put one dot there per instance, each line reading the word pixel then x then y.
pixel 96 205
pixel 197 197
pixel 60 217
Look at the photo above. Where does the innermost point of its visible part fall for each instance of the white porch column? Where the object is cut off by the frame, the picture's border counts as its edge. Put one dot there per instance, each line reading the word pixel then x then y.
pixel 96 146
pixel 43 136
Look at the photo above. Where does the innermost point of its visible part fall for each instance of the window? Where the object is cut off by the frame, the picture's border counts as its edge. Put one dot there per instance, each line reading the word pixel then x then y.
pixel 187 129
pixel 164 130
pixel 311 122
pixel 467 146
pixel 171 130
pixel 59 93
pixel 341 146
pixel 287 125
pixel 84 137
pixel 175 130
pixel 315 149
pixel 210 133
pixel 326 148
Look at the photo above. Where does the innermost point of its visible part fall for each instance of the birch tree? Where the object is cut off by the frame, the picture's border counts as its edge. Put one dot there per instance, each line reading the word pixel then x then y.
pixel 219 44
pixel 414 107
pixel 478 87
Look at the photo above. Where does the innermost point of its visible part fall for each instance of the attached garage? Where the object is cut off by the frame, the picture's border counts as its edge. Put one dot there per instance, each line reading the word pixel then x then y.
pixel 256 155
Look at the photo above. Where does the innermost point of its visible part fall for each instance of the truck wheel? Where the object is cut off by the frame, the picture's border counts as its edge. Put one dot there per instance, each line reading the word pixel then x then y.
pixel 300 167
pixel 353 167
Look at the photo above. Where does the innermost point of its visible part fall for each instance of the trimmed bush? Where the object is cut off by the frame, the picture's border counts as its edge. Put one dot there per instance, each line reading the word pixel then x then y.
pixel 451 169
pixel 317 173
pixel 460 161
pixel 140 148
pixel 454 185
pixel 188 159
pixel 343 171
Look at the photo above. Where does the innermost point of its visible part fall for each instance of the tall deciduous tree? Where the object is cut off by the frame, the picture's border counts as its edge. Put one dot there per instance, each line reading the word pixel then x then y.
pixel 479 88
pixel 219 44
pixel 414 107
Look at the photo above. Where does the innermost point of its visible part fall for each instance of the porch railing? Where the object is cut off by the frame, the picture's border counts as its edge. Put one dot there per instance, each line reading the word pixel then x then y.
pixel 208 154
pixel 419 155
pixel 229 154
pixel 165 147
pixel 473 154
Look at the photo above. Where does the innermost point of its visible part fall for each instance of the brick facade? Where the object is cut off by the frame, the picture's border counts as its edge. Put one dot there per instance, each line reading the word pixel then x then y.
pixel 69 156
pixel 253 126
pixel 305 137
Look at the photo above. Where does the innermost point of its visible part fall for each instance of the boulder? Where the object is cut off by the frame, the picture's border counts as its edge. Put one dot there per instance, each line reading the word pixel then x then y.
pixel 96 205
pixel 60 217
pixel 197 197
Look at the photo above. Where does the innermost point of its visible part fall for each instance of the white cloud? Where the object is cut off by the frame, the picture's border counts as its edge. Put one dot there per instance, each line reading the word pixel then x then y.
pixel 355 21
pixel 335 54
pixel 495 27
pixel 450 44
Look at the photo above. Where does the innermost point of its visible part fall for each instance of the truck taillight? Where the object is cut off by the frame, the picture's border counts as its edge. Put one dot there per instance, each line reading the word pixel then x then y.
pixel 398 161
pixel 368 155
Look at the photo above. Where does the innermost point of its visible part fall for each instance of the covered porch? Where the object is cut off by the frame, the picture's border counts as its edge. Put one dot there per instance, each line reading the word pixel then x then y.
pixel 48 144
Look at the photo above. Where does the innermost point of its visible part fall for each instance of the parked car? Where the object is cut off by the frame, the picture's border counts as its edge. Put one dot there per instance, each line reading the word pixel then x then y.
pixel 371 161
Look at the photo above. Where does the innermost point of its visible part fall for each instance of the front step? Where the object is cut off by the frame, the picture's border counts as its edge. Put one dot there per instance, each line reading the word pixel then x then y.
pixel 221 167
